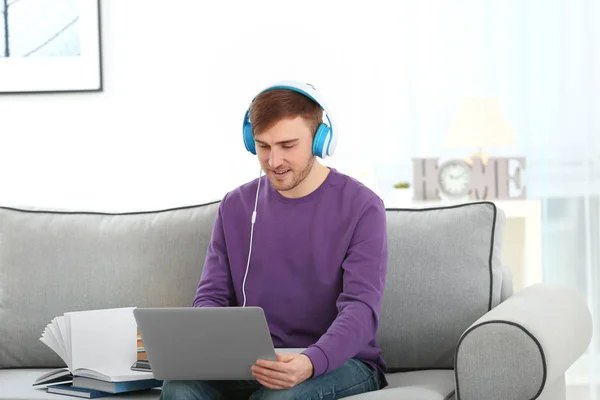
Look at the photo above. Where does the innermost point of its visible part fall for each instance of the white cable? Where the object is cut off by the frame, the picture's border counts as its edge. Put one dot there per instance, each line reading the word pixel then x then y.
pixel 251 235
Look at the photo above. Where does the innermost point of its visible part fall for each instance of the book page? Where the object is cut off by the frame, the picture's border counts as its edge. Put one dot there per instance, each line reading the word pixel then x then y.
pixel 114 375
pixel 66 340
pixel 67 323
pixel 104 340
pixel 54 331
pixel 49 339
pixel 55 375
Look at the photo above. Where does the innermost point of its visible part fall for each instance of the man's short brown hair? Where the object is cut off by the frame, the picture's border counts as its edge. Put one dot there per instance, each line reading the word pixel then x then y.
pixel 272 106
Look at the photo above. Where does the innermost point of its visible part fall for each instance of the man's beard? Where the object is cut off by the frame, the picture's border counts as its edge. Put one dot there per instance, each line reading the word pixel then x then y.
pixel 297 178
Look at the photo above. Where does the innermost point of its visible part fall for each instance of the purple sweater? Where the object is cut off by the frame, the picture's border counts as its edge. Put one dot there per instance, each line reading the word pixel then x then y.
pixel 318 267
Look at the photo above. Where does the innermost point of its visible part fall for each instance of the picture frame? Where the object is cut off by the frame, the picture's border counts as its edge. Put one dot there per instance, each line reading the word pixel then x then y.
pixel 50 46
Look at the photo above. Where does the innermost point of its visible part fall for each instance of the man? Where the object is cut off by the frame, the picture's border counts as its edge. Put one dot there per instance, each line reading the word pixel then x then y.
pixel 315 259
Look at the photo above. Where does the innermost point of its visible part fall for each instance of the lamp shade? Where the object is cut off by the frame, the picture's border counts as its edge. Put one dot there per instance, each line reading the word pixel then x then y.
pixel 479 123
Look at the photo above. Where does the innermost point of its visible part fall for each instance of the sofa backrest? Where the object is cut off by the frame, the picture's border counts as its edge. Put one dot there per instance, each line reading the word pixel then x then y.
pixel 444 272
pixel 52 262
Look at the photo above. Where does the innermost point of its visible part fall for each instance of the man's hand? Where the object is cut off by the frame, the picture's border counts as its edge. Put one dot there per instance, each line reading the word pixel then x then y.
pixel 289 370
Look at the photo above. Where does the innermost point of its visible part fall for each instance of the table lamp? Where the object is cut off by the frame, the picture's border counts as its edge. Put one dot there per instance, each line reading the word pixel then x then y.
pixel 479 123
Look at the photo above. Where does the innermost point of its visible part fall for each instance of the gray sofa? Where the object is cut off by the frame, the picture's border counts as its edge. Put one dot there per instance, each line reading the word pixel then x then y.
pixel 451 327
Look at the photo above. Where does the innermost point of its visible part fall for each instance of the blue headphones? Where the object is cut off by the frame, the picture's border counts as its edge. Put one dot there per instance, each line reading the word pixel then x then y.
pixel 324 142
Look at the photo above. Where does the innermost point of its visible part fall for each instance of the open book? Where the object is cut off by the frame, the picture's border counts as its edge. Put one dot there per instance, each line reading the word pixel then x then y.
pixel 96 344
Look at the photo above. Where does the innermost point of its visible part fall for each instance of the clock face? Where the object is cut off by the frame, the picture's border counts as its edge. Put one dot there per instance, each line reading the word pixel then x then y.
pixel 454 178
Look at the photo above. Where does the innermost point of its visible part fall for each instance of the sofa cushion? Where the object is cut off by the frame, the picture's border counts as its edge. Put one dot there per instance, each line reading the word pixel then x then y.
pixel 415 385
pixel 418 385
pixel 52 262
pixel 444 272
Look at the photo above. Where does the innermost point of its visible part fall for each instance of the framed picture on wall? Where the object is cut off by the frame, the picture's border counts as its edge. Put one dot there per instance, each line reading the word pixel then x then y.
pixel 50 46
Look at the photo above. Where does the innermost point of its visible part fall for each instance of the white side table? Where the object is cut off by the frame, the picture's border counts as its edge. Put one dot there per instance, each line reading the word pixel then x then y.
pixel 522 247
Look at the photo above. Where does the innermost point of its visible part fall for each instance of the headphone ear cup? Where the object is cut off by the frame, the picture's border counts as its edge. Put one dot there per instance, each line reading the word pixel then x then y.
pixel 249 138
pixel 320 141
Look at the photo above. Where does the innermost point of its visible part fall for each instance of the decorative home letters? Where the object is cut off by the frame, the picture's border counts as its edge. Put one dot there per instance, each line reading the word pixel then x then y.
pixel 486 182
pixel 426 184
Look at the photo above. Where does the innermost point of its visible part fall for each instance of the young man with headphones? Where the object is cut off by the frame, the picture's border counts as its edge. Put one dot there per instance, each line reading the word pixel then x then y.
pixel 306 243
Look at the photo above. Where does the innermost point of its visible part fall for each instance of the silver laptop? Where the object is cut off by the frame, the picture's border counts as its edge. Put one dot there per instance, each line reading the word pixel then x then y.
pixel 205 343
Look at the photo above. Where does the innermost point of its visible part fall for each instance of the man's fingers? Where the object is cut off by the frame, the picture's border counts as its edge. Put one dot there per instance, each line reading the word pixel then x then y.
pixel 271 383
pixel 268 385
pixel 273 365
pixel 273 379
pixel 271 374
pixel 284 357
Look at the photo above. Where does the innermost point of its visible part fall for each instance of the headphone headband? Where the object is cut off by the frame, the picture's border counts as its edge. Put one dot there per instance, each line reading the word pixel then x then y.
pixel 324 142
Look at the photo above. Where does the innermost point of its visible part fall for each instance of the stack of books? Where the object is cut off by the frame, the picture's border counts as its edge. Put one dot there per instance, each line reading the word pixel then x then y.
pixel 99 348
pixel 141 364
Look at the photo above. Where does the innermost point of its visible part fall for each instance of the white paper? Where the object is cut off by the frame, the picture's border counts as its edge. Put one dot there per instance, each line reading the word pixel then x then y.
pixel 58 337
pixel 100 344
pixel 103 340
pixel 54 343
pixel 114 374
pixel 62 326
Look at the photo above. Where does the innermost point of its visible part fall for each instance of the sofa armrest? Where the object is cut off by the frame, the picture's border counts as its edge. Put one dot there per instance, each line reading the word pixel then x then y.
pixel 521 346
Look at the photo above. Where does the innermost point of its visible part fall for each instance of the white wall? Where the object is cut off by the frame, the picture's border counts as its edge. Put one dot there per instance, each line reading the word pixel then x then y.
pixel 178 77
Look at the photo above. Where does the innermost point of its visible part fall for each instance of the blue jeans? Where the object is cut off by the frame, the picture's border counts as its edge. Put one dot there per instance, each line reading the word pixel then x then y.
pixel 353 377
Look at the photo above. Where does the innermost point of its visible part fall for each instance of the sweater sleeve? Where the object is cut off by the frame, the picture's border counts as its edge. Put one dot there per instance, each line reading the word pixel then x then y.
pixel 215 288
pixel 359 304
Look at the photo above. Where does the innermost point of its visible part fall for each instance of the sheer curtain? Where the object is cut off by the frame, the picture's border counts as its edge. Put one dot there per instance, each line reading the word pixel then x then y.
pixel 541 59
